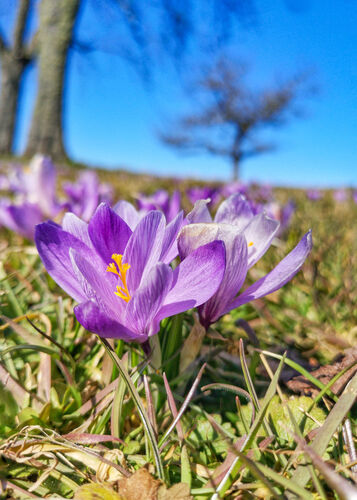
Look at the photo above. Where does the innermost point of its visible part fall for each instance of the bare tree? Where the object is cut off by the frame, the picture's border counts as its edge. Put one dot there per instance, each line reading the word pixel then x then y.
pixel 145 31
pixel 14 57
pixel 232 116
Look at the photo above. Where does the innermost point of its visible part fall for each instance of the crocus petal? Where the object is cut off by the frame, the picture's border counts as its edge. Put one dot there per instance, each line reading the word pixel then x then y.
pixel 148 298
pixel 144 247
pixel 259 234
pixel 234 276
pixel 53 245
pixel 95 320
pixel 169 245
pixel 77 227
pixel 196 235
pixel 21 219
pixel 97 284
pixel 108 232
pixel 199 213
pixel 90 185
pixel 197 277
pixel 174 206
pixel 127 212
pixel 42 184
pixel 234 210
pixel 281 274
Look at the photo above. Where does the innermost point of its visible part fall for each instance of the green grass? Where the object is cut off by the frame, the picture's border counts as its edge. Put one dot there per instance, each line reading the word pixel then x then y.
pixel 68 418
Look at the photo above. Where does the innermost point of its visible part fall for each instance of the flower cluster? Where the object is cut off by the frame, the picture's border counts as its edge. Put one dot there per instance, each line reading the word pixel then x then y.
pixel 34 199
pixel 128 268
pixel 119 266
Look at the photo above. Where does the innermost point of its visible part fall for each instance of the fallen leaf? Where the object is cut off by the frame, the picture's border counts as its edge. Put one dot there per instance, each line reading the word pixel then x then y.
pixel 139 486
pixel 302 385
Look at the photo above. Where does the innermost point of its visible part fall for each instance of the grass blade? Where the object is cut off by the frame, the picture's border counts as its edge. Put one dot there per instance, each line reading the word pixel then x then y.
pixel 229 478
pixel 326 431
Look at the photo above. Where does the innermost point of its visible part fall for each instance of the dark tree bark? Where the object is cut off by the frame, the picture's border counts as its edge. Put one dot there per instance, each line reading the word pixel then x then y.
pixel 14 60
pixel 235 169
pixel 57 19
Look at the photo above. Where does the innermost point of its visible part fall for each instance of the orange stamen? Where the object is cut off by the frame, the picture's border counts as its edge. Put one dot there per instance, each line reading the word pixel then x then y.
pixel 120 269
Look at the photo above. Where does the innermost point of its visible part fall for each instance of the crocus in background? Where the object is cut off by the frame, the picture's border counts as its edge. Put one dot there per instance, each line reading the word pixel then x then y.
pixel 264 193
pixel 41 180
pixel 203 193
pixel 5 183
pixel 86 194
pixel 314 194
pixel 15 179
pixel 21 219
pixel 161 200
pixel 120 277
pixel 282 213
pixel 35 198
pixel 340 195
pixel 246 237
pixel 234 188
pixel 354 196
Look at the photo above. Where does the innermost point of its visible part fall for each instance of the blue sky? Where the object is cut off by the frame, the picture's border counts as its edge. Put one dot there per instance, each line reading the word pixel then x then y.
pixel 111 117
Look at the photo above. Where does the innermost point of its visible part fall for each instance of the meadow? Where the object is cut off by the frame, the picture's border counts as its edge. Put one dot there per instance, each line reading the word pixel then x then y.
pixel 258 404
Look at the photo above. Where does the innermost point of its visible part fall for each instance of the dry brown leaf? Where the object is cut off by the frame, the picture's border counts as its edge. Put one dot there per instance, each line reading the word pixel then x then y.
pixel 139 486
pixel 142 485
pixel 302 385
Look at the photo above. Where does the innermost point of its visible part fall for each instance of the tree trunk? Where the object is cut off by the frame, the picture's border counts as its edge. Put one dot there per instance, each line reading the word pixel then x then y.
pixel 11 73
pixel 14 59
pixel 57 20
pixel 236 162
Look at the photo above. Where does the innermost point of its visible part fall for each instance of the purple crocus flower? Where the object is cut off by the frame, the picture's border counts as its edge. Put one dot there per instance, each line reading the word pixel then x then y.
pixel 161 200
pixel 354 196
pixel 4 183
pixel 340 195
pixel 14 180
pixel 202 193
pixel 281 213
pixel 86 194
pixel 265 193
pixel 40 182
pixel 234 188
pixel 246 237
pixel 122 278
pixel 35 198
pixel 314 194
pixel 21 218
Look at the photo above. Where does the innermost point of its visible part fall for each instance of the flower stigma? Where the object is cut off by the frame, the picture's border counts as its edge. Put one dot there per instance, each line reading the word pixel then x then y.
pixel 251 243
pixel 120 269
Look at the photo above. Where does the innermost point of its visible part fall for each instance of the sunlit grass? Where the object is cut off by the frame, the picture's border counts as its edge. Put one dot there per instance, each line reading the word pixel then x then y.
pixel 68 419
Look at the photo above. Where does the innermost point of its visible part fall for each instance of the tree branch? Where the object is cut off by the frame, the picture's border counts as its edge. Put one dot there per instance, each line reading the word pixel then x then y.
pixel 20 25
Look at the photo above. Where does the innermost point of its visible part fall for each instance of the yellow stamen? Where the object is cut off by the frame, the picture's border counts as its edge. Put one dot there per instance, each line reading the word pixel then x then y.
pixel 251 243
pixel 120 269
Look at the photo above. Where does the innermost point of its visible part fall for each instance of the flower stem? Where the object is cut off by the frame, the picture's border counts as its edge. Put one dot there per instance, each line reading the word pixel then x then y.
pixel 139 405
